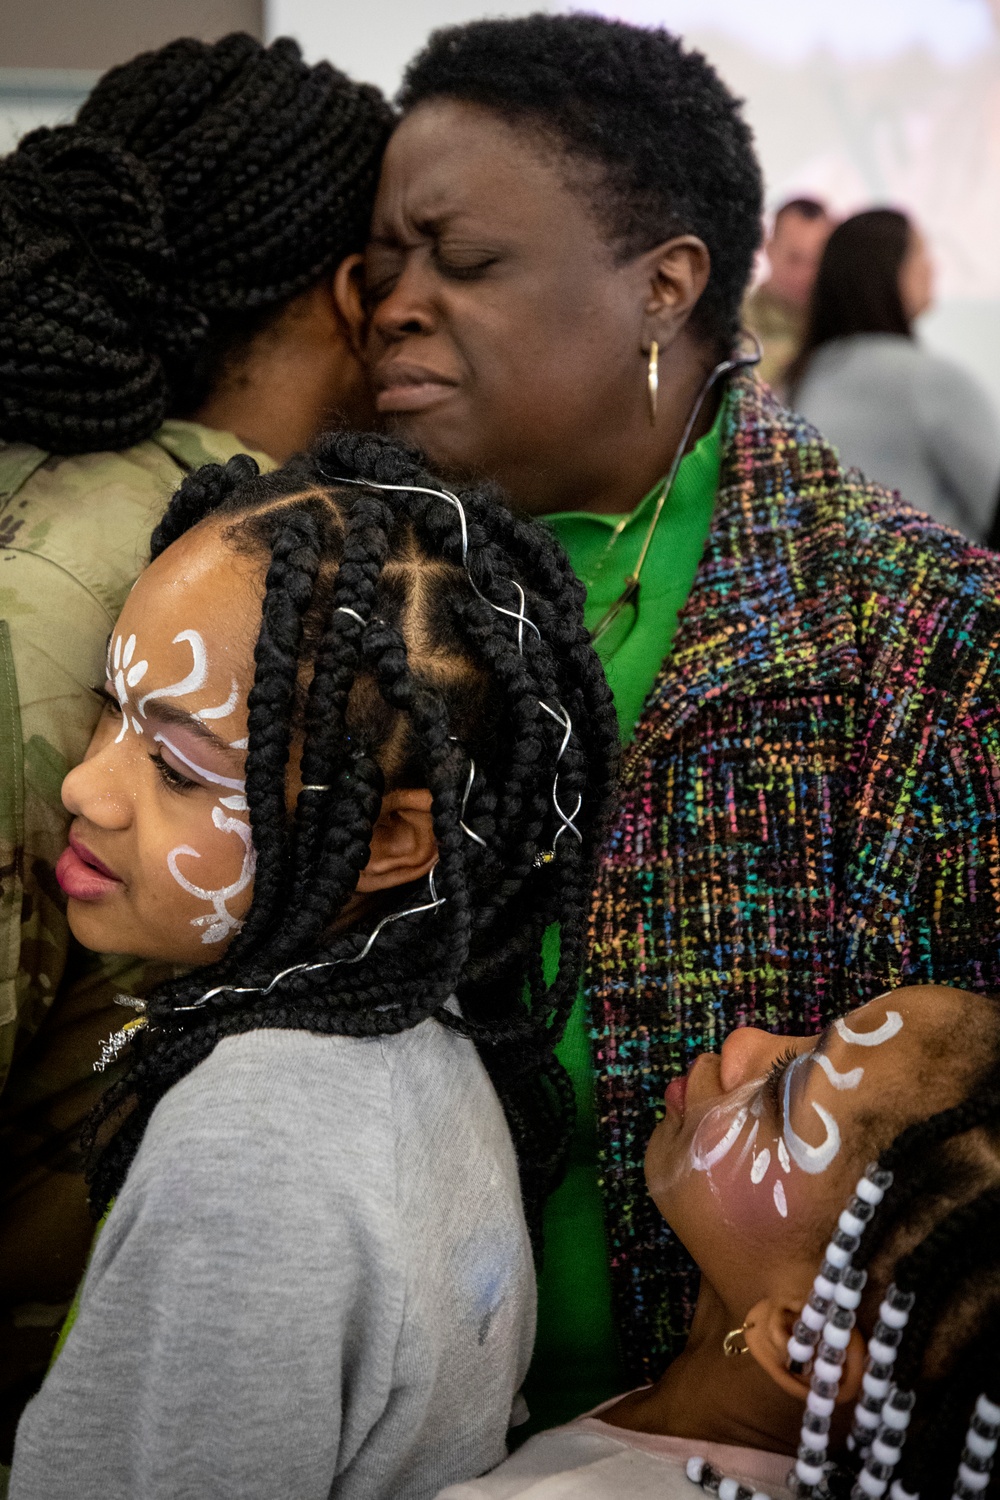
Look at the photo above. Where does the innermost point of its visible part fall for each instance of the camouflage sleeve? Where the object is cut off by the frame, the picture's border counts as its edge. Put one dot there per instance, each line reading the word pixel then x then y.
pixel 51 653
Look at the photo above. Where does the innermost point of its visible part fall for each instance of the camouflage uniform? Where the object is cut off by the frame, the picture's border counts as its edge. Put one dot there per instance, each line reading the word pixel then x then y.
pixel 74 534
pixel 780 329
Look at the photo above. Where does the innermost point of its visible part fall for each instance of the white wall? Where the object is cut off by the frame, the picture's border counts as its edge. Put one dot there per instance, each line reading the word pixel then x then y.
pixel 859 101
pixel 375 39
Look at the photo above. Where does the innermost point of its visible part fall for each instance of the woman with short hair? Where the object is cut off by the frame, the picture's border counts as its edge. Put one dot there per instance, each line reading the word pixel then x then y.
pixel 804 670
pixel 906 417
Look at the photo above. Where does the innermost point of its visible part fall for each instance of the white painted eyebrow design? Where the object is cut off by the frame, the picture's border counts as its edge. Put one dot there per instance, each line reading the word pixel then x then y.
pixel 237 786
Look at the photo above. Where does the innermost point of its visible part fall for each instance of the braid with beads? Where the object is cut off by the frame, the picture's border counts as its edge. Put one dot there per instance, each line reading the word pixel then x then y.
pixel 200 188
pixel 414 677
pixel 943 1214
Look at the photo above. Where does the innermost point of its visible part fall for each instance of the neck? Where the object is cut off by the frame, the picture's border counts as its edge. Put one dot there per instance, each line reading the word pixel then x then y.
pixel 706 1395
pixel 299 377
pixel 611 477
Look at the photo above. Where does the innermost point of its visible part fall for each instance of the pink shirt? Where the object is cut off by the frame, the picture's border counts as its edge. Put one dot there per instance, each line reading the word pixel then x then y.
pixel 590 1459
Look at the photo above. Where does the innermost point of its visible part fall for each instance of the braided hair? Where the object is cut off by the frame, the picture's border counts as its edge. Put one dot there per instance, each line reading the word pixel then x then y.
pixel 937 1232
pixel 200 188
pixel 404 641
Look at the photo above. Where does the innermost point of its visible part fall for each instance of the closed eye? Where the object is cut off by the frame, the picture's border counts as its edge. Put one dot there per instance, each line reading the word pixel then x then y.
pixel 109 699
pixel 776 1077
pixel 173 778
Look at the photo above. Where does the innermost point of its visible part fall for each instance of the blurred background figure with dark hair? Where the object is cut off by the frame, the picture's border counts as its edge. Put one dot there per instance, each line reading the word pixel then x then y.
pixel 776 310
pixel 908 418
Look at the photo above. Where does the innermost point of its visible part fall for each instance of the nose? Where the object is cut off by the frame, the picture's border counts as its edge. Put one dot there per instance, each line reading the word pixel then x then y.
pixel 407 308
pixel 96 789
pixel 748 1053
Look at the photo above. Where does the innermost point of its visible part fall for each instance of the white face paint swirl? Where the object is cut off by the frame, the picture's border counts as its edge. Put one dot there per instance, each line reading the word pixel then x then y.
pixel 703 1161
pixel 892 1024
pixel 748 1101
pixel 839 1080
pixel 220 922
pixel 811 1159
pixel 125 676
pixel 195 679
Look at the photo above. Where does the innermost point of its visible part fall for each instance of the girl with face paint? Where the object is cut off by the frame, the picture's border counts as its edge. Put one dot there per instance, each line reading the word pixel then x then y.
pixel 759 1150
pixel 352 762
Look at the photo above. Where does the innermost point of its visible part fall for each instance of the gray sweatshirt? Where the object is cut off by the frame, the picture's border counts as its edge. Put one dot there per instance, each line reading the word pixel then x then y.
pixel 909 420
pixel 316 1282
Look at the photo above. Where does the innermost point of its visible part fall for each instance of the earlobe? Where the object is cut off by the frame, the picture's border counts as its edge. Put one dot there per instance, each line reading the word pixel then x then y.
pixel 768 1327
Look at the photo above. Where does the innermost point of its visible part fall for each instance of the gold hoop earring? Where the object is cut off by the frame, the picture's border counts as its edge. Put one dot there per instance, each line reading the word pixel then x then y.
pixel 653 380
pixel 735 1341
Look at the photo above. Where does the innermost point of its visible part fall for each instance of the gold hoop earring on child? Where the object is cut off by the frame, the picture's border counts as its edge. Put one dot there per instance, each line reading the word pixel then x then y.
pixel 653 380
pixel 735 1341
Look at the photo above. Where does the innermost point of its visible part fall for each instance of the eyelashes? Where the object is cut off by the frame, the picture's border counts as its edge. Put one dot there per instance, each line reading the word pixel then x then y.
pixel 168 775
pixel 108 700
pixel 775 1077
pixel 171 778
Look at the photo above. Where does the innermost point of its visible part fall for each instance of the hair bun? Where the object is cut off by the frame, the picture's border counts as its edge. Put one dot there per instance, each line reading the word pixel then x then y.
pixel 89 317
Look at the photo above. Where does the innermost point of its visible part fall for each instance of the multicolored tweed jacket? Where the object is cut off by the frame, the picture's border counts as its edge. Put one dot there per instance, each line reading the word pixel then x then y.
pixel 810 804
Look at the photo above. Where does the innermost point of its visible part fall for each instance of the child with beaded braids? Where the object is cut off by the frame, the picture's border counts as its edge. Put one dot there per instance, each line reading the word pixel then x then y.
pixel 840 1197
pixel 354 760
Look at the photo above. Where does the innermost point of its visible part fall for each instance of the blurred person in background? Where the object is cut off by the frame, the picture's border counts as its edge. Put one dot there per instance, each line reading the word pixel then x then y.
pixel 907 418
pixel 776 309
pixel 172 279
pixel 804 670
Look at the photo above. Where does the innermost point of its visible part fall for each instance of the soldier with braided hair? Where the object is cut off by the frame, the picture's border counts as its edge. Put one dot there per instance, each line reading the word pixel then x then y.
pixel 354 760
pixel 174 288
pixel 844 1340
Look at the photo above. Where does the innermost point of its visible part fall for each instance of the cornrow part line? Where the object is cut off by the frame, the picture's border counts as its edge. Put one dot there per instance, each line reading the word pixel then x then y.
pixel 446 495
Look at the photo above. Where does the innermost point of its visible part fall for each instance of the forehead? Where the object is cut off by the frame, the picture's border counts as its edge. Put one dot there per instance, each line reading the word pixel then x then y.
pixel 925 1026
pixel 449 160
pixel 199 583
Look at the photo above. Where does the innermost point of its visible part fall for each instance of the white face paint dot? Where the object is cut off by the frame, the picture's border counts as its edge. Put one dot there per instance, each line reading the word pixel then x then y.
pixel 118 652
pixel 137 673
pixel 760 1165
pixel 783 1157
pixel 129 651
pixel 779 1198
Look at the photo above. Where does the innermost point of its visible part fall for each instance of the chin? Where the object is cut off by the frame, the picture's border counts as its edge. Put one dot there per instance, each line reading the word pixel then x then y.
pixel 97 930
pixel 443 446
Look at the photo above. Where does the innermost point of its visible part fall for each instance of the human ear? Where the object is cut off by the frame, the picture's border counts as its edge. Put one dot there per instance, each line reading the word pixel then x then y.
pixel 403 845
pixel 768 1328
pixel 677 273
pixel 348 294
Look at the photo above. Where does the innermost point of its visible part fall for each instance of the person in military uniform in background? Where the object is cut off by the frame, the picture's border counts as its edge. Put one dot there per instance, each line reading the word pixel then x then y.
pixel 175 287
pixel 776 309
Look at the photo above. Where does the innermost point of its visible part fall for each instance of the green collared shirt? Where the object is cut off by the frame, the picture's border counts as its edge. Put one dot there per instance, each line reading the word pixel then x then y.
pixel 576 1363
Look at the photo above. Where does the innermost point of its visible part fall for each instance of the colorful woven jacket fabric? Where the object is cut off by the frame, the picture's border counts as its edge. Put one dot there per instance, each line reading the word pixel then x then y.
pixel 809 813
